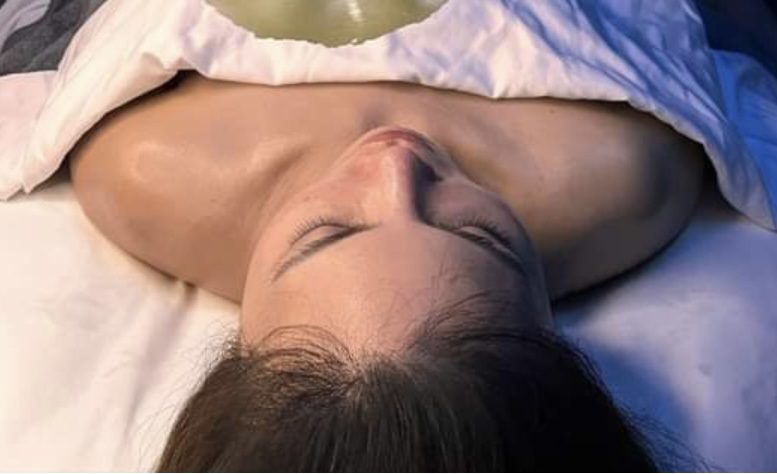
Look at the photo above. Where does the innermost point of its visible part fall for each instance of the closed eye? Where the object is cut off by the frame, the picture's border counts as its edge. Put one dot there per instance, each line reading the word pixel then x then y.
pixel 502 252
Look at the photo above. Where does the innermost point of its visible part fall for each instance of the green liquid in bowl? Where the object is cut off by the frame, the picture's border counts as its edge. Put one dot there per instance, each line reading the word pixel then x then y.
pixel 329 22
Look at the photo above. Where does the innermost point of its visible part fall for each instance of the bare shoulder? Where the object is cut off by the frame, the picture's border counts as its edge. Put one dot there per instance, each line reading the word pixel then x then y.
pixel 627 208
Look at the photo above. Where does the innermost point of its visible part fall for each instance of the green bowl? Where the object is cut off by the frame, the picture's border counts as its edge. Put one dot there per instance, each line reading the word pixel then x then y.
pixel 329 22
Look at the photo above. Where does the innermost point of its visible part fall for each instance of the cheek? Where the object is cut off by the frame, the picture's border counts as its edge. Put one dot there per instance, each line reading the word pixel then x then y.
pixel 337 186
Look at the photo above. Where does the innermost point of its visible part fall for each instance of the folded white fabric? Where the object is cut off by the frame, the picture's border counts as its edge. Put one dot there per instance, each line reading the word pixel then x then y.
pixel 651 54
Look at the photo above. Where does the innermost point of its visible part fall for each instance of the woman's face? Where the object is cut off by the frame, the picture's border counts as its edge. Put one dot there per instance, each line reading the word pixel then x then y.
pixel 372 244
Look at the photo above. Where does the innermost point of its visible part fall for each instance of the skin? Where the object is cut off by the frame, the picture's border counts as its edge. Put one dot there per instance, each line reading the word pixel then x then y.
pixel 208 182
pixel 379 282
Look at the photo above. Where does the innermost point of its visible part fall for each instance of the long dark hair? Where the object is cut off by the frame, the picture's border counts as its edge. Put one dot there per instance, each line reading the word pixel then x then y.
pixel 467 394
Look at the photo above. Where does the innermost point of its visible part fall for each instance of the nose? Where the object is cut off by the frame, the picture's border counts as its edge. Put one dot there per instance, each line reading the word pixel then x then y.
pixel 399 179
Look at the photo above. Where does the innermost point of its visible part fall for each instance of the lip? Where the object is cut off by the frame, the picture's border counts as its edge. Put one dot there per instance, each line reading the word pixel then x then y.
pixel 420 145
pixel 418 142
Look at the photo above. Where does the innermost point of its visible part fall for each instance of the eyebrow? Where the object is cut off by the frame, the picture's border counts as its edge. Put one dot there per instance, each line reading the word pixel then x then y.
pixel 508 260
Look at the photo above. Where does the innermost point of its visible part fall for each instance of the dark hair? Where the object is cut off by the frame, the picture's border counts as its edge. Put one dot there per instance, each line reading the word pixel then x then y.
pixel 466 394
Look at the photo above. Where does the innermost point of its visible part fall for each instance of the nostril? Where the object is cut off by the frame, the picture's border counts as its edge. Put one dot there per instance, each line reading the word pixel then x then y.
pixel 428 171
pixel 403 148
pixel 417 159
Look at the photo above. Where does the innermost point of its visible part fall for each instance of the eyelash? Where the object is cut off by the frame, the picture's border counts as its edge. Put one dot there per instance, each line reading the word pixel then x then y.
pixel 320 221
pixel 463 221
pixel 485 224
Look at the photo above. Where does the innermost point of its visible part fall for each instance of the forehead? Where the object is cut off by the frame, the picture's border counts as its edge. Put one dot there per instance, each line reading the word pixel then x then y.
pixel 386 280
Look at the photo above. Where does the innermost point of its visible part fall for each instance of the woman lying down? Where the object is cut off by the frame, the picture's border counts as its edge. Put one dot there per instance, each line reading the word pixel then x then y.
pixel 394 249
pixel 394 254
